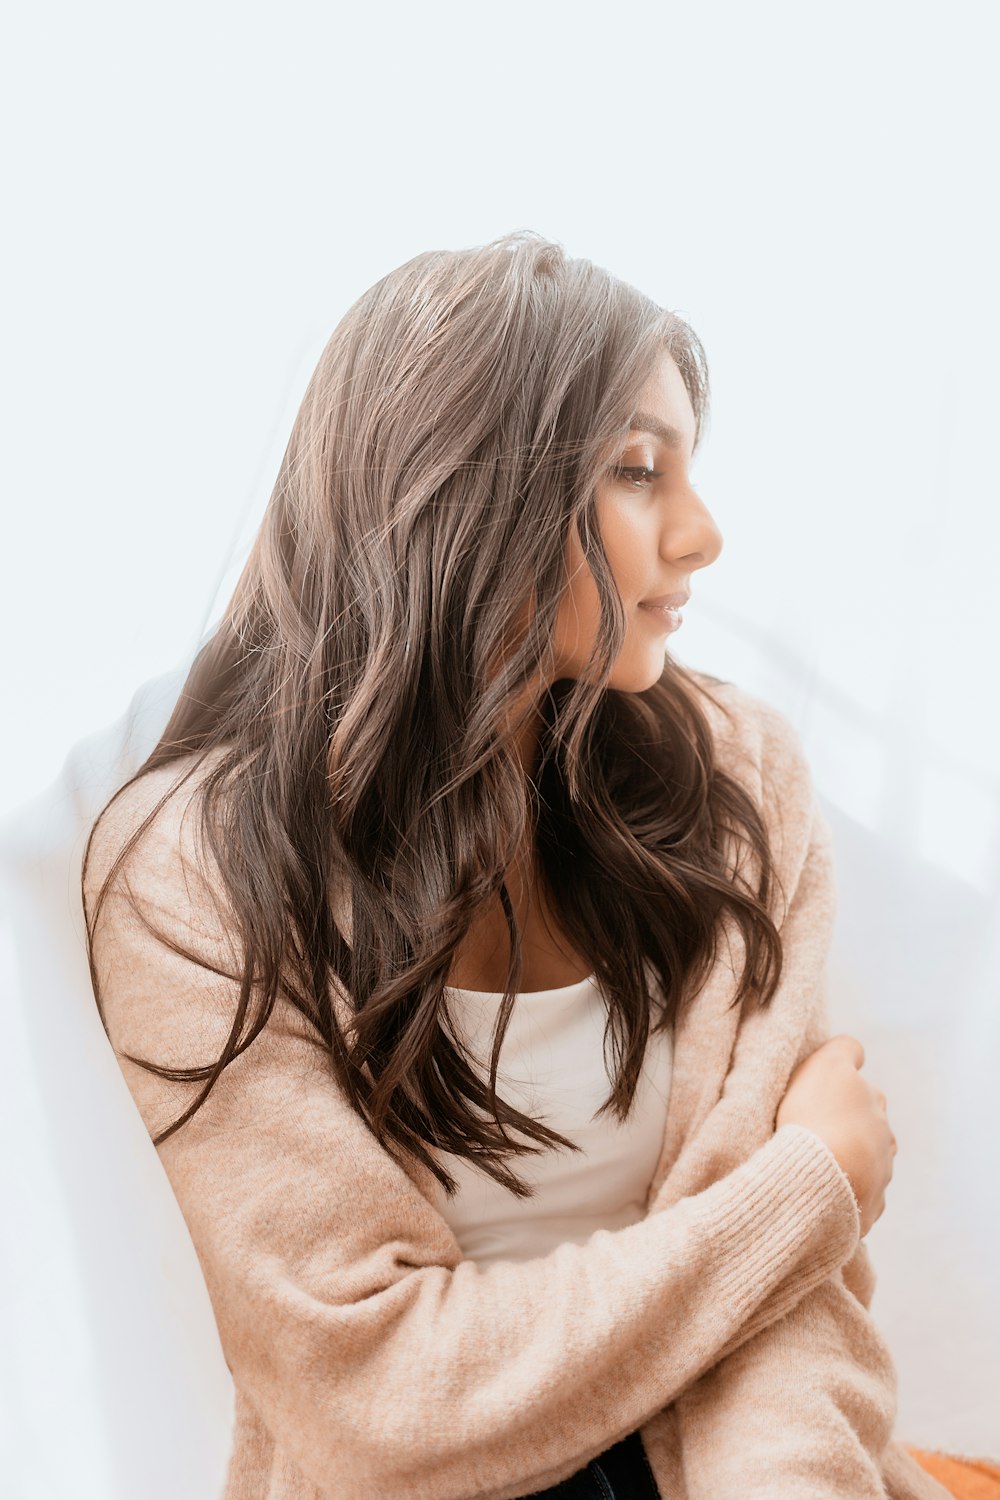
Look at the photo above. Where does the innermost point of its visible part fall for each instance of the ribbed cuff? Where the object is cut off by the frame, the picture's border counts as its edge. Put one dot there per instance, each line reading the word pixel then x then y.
pixel 789 1214
pixel 833 1163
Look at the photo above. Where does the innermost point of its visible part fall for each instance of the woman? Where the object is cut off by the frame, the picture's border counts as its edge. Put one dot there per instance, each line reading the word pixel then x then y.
pixel 407 936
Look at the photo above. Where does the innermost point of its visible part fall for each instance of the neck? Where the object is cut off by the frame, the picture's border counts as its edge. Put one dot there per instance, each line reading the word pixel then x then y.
pixel 526 746
pixel 524 724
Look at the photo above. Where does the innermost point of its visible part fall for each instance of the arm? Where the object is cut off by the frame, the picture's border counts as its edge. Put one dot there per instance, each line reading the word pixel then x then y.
pixel 805 1409
pixel 372 1351
pixel 802 1406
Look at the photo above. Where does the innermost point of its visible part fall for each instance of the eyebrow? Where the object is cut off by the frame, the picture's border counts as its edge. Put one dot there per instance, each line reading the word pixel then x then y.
pixel 643 421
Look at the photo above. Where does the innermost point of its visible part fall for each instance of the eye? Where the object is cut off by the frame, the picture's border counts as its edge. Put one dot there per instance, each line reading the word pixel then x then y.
pixel 637 475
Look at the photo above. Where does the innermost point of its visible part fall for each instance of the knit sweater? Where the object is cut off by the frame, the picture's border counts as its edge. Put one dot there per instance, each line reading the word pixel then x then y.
pixel 371 1361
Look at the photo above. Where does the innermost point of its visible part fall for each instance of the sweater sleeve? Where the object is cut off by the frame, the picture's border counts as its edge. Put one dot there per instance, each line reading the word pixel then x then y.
pixel 801 1405
pixel 379 1359
pixel 804 1410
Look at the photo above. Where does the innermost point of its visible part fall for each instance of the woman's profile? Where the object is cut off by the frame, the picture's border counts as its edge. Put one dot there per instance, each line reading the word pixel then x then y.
pixel 464 952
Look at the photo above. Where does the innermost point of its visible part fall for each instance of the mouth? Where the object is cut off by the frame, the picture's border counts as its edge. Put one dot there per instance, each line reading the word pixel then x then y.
pixel 668 616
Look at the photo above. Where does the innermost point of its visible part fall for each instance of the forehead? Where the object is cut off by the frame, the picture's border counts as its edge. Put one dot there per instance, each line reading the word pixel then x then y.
pixel 663 408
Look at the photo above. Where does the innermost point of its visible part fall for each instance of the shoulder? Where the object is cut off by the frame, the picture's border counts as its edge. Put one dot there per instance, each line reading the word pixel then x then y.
pixel 165 870
pixel 758 745
pixel 754 740
pixel 168 948
pixel 166 954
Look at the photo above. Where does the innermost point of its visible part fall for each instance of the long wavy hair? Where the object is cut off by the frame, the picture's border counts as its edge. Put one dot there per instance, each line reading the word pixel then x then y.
pixel 360 697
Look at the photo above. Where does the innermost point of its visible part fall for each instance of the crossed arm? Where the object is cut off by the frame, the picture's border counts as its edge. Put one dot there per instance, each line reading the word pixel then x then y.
pixel 803 1406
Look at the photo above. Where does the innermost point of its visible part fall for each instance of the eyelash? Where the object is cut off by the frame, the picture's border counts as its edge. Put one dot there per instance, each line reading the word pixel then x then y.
pixel 638 475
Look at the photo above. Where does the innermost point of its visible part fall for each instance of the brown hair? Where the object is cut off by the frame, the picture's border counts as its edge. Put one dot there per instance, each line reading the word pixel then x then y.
pixel 455 426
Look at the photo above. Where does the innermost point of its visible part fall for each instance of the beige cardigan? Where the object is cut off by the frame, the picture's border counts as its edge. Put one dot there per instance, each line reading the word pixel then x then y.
pixel 371 1362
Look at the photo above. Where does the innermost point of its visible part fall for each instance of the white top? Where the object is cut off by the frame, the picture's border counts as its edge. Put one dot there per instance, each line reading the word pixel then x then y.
pixel 552 1067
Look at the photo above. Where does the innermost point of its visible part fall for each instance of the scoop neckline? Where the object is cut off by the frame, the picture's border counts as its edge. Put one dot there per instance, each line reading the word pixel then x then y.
pixel 559 989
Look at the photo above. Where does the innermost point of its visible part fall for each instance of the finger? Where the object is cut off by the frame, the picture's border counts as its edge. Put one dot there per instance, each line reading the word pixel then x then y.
pixel 851 1046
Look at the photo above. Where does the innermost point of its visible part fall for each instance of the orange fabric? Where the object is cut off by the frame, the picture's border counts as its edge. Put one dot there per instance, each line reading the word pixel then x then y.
pixel 966 1479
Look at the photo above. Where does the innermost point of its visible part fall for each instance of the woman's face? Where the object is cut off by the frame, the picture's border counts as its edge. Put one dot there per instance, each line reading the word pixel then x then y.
pixel 656 533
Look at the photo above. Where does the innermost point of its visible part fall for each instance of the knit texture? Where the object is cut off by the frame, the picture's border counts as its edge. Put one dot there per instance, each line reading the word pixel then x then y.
pixel 372 1362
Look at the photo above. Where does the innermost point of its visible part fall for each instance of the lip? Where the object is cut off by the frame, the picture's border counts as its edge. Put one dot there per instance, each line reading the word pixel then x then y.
pixel 668 615
pixel 674 601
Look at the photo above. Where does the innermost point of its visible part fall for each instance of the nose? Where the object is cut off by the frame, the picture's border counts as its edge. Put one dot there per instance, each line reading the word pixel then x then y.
pixel 692 537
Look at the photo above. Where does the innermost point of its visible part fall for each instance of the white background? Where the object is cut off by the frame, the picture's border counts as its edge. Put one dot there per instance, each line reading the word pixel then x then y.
pixel 195 195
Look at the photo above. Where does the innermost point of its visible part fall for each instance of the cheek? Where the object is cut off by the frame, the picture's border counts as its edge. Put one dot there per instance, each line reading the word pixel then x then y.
pixel 627 546
pixel 627 539
pixel 580 606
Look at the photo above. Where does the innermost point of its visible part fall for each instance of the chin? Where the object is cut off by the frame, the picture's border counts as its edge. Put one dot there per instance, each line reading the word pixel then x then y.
pixel 637 678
